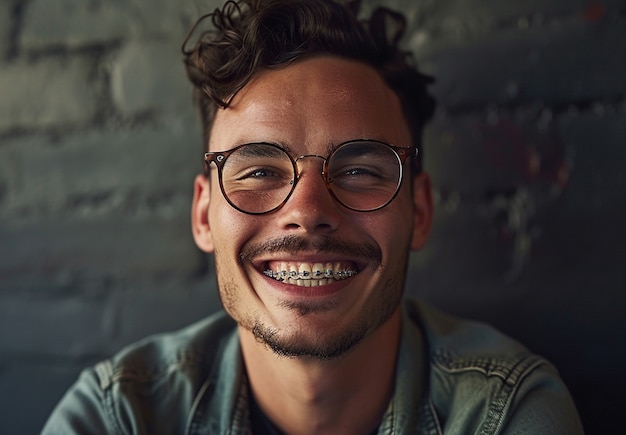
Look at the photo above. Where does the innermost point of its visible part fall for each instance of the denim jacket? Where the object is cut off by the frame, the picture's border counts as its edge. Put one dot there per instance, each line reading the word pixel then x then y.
pixel 452 377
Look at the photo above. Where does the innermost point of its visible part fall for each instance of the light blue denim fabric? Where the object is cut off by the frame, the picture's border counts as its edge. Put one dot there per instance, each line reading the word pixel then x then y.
pixel 452 377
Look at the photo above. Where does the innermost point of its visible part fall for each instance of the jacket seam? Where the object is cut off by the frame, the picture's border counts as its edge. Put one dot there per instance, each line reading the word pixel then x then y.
pixel 104 372
pixel 147 374
pixel 499 408
pixel 435 419
pixel 511 373
pixel 498 367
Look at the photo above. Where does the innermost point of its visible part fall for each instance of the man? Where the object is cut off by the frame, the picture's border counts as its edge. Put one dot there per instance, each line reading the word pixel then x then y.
pixel 312 199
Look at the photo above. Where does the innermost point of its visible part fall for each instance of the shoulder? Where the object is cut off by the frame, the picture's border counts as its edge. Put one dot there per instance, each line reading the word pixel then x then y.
pixel 480 378
pixel 161 375
pixel 447 334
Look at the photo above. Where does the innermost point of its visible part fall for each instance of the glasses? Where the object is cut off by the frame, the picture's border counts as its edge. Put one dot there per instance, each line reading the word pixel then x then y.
pixel 258 178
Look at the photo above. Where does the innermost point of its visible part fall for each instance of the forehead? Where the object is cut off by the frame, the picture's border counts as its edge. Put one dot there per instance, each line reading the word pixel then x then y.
pixel 312 104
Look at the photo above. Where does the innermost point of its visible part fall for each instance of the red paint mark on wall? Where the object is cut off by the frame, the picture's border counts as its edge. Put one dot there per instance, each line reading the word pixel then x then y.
pixel 595 11
pixel 526 153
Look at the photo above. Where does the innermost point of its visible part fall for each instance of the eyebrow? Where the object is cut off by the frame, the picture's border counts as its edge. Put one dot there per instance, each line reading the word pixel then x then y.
pixel 280 145
pixel 329 149
pixel 259 150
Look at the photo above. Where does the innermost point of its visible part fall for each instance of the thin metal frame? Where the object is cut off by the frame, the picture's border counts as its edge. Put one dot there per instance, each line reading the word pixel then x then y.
pixel 220 157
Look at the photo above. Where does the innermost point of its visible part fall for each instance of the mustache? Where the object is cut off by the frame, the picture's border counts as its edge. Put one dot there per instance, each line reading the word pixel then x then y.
pixel 295 244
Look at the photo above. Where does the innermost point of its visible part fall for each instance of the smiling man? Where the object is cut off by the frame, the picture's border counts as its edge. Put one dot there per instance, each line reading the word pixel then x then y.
pixel 312 199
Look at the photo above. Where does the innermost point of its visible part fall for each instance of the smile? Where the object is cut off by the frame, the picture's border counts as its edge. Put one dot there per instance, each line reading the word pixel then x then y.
pixel 309 274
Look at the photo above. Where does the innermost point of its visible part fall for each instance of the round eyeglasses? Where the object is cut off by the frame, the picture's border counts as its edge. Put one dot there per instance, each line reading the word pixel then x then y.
pixel 258 178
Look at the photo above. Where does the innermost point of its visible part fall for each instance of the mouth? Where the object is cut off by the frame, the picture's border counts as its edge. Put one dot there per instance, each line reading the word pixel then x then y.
pixel 305 274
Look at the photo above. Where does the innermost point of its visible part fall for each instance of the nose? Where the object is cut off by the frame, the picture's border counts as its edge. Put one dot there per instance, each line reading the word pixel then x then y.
pixel 310 208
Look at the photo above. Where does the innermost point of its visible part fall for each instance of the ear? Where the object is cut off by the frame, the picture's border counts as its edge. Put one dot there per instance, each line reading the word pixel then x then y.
pixel 423 210
pixel 200 214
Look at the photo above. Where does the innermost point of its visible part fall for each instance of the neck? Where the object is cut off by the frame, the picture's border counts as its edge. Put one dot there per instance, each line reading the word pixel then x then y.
pixel 347 395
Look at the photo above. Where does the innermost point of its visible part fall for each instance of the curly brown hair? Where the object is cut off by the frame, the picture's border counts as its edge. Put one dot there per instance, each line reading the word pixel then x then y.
pixel 250 35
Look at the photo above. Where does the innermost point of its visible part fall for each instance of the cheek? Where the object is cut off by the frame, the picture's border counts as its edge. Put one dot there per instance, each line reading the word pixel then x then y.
pixel 231 229
pixel 393 223
pixel 394 236
pixel 228 225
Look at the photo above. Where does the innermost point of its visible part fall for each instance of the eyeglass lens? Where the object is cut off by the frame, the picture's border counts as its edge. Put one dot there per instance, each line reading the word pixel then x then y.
pixel 362 175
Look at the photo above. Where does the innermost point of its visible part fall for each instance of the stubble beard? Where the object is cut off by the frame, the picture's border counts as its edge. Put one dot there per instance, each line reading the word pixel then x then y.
pixel 377 310
pixel 331 345
pixel 323 347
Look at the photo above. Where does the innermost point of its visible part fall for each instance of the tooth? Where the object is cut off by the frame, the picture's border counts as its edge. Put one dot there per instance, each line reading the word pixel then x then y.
pixel 309 274
pixel 317 270
pixel 328 272
pixel 337 271
pixel 293 272
pixel 305 271
pixel 282 271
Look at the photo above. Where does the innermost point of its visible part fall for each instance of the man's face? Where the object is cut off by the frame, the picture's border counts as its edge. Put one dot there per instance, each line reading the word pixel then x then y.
pixel 309 108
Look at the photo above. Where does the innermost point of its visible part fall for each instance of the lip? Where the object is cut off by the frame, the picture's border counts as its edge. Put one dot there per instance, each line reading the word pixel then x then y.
pixel 307 292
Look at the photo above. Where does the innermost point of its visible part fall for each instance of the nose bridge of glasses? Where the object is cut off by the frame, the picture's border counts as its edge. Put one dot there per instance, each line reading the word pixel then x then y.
pixel 309 156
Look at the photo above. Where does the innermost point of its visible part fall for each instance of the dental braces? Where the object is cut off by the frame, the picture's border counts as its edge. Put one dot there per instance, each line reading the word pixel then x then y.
pixel 293 274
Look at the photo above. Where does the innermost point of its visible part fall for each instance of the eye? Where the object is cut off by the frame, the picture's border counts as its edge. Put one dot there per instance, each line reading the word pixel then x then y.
pixel 259 178
pixel 361 171
pixel 260 173
pixel 348 173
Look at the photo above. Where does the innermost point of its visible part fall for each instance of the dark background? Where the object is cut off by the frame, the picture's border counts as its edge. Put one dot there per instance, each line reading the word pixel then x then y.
pixel 99 144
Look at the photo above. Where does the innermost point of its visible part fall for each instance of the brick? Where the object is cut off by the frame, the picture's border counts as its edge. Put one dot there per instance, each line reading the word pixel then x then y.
pixel 31 390
pixel 461 21
pixel 529 66
pixel 455 239
pixel 479 208
pixel 478 154
pixel 103 247
pixel 54 327
pixel 6 23
pixel 578 155
pixel 137 311
pixel 99 22
pixel 456 160
pixel 107 171
pixel 91 329
pixel 9 173
pixel 164 17
pixel 74 23
pixel 46 93
pixel 597 154
pixel 149 75
pixel 145 308
pixel 119 199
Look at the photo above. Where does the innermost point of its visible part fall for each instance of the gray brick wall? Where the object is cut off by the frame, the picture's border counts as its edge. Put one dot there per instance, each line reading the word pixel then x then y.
pixel 99 144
